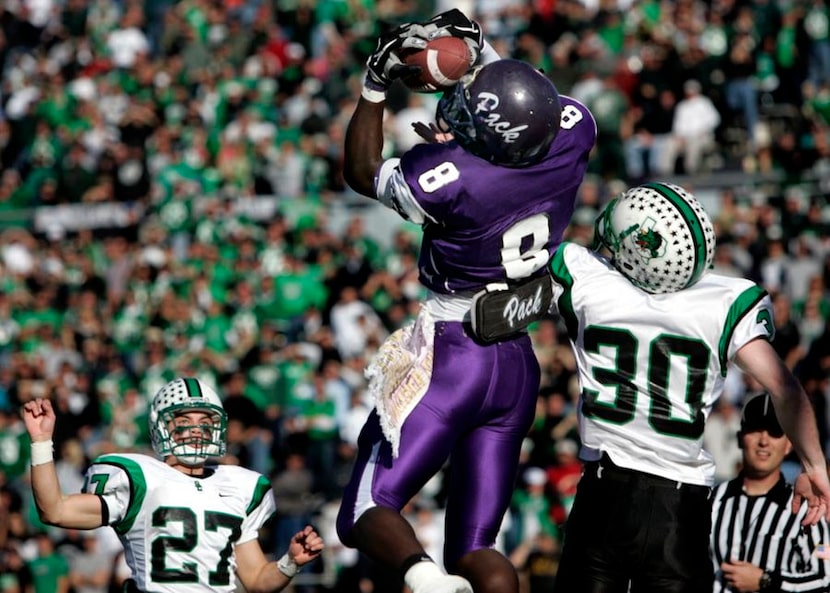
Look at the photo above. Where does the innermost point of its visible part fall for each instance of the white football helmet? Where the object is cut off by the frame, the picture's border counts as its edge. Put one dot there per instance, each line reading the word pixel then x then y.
pixel 659 236
pixel 184 395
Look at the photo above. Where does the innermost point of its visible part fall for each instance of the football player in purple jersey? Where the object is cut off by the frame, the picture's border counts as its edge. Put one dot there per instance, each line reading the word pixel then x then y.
pixel 494 193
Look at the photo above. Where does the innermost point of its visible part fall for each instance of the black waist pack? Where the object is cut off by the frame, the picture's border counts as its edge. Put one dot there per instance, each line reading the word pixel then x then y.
pixel 502 310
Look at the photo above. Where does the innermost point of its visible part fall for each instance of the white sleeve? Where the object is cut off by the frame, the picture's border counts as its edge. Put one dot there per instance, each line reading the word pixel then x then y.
pixel 756 323
pixel 112 484
pixel 393 192
pixel 254 521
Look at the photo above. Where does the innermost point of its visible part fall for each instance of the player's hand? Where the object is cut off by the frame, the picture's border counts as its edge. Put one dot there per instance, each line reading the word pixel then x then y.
pixel 431 133
pixel 742 576
pixel 39 418
pixel 305 546
pixel 813 487
pixel 452 23
pixel 385 64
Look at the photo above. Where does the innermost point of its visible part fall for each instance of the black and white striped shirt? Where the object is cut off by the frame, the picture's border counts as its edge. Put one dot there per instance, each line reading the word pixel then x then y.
pixel 763 531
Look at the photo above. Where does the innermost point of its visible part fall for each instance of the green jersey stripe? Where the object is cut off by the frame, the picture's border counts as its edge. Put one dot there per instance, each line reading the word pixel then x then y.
pixel 739 309
pixel 138 489
pixel 695 226
pixel 560 272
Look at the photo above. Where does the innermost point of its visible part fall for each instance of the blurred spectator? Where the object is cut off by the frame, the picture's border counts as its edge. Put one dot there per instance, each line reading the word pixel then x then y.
pixel 14 448
pixel 355 324
pixel 775 269
pixel 610 108
pixel 817 26
pixel 90 569
pixel 127 43
pixel 12 570
pixel 741 95
pixel 791 59
pixel 563 476
pixel 249 428
pixel 530 509
pixel 787 339
pixel 71 465
pixel 648 150
pixel 537 560
pixel 295 497
pixel 48 570
pixel 419 108
pixel 719 438
pixel 693 128
pixel 318 417
pixel 359 410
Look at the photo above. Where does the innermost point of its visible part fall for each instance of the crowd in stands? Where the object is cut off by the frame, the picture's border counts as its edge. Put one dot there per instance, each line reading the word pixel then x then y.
pixel 181 111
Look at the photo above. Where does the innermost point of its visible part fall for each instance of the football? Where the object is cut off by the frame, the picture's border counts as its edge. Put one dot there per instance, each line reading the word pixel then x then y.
pixel 443 62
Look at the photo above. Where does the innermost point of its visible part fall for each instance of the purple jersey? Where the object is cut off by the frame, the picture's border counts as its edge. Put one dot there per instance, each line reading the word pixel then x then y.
pixel 487 223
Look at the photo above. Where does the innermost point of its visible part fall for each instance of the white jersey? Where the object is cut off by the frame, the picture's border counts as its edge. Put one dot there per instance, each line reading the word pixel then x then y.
pixel 651 366
pixel 178 531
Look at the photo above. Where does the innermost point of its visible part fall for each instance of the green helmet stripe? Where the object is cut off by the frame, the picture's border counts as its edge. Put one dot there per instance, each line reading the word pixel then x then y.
pixel 695 226
pixel 193 389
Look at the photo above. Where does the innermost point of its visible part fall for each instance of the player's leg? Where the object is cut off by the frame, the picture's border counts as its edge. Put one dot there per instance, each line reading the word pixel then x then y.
pixel 475 510
pixel 382 484
pixel 483 470
pixel 600 535
pixel 370 518
pixel 677 552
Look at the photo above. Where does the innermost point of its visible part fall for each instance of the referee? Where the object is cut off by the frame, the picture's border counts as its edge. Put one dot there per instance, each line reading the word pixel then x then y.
pixel 757 543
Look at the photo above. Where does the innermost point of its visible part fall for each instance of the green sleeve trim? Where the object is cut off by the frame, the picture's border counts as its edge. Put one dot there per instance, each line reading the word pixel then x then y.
pixel 263 486
pixel 138 489
pixel 739 309
pixel 562 276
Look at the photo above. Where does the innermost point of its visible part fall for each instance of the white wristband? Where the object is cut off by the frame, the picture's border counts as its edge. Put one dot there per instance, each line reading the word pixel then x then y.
pixel 372 95
pixel 288 566
pixel 42 452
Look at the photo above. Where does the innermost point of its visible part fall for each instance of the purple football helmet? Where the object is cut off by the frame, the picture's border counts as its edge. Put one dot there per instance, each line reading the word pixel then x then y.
pixel 505 112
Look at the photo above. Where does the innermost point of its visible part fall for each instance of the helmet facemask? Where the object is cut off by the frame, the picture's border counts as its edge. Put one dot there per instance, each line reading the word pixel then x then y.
pixel 172 434
pixel 453 113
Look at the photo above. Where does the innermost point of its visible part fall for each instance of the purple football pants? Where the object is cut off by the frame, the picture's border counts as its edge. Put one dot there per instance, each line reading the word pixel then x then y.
pixel 478 408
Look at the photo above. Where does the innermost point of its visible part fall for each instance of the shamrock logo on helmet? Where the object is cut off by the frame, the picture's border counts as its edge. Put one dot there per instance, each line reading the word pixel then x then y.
pixel 649 241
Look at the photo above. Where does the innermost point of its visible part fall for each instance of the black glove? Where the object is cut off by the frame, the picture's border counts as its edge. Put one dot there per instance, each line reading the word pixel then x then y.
pixel 385 64
pixel 427 132
pixel 431 132
pixel 452 23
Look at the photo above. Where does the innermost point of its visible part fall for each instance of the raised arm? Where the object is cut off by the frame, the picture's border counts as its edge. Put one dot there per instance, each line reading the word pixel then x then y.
pixel 364 142
pixel 71 511
pixel 364 136
pixel 797 418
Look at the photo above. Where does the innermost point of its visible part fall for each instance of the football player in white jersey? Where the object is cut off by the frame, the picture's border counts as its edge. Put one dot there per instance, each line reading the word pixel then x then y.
pixel 187 525
pixel 653 332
